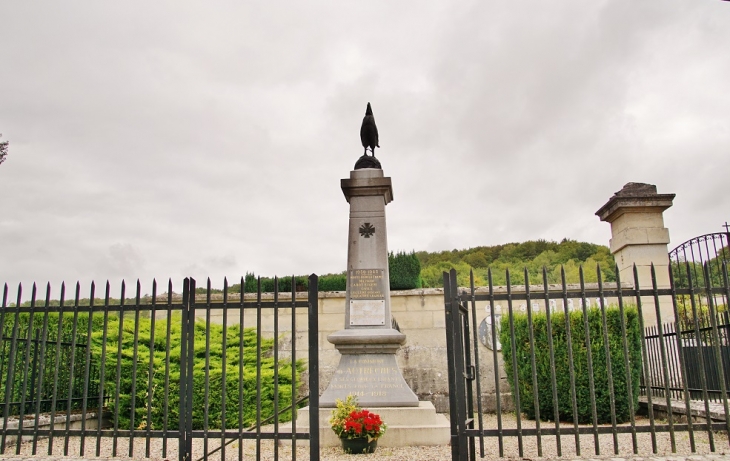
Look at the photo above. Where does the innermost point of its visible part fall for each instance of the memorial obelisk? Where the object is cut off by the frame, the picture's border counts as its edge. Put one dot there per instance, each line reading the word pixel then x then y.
pixel 368 343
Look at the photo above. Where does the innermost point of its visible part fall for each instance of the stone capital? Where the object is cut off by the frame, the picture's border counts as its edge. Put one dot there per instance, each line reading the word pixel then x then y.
pixel 367 182
pixel 634 198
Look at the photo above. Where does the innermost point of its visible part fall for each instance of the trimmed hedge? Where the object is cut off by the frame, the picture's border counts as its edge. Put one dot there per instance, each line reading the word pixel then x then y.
pixel 56 331
pixel 161 394
pixel 580 362
pixel 405 271
pixel 405 274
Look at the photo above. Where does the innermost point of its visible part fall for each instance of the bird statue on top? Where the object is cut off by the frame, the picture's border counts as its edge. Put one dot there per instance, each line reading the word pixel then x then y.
pixel 369 138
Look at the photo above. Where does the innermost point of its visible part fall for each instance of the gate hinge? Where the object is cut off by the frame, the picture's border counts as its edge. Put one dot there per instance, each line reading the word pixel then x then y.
pixel 470 372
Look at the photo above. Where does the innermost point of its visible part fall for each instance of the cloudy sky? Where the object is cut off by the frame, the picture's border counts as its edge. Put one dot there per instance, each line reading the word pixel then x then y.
pixel 165 139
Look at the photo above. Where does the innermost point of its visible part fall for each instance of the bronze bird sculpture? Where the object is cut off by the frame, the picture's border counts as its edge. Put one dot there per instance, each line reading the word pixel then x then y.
pixel 369 132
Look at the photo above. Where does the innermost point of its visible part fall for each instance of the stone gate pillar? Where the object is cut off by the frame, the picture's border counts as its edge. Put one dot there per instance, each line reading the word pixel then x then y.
pixel 638 237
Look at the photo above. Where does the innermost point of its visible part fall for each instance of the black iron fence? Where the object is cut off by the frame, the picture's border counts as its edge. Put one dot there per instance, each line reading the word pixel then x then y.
pixel 214 373
pixel 40 352
pixel 575 357
pixel 699 355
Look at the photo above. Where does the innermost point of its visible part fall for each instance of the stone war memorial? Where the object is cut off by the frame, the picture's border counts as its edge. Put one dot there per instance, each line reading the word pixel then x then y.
pixel 368 343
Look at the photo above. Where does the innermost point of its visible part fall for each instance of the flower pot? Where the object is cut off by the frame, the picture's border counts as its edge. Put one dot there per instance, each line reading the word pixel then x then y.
pixel 359 445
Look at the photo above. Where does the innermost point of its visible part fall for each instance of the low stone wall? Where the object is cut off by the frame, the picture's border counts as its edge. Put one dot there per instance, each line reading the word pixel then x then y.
pixel 420 316
pixel 75 422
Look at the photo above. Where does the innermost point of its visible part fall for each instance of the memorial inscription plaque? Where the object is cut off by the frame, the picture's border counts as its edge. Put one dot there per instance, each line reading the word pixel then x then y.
pixel 367 284
pixel 367 297
pixel 367 312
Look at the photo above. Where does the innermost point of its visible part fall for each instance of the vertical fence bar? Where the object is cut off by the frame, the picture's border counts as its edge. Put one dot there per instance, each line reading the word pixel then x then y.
pixel 135 350
pixel 240 369
pixel 224 346
pixel 71 373
pixel 102 371
pixel 607 348
pixel 467 375
pixel 41 373
pixel 313 318
pixel 151 368
pixel 644 352
pixel 258 369
pixel 651 348
pixel 293 369
pixel 450 324
pixel 700 351
pixel 165 406
pixel 459 368
pixel 682 366
pixel 477 368
pixel 551 353
pixel 118 375
pixel 26 364
pixel 276 368
pixel 190 323
pixel 87 365
pixel 716 344
pixel 183 404
pixel 533 364
pixel 672 361
pixel 589 358
pixel 59 336
pixel 571 365
pixel 10 380
pixel 33 366
pixel 627 361
pixel 498 401
pixel 206 391
pixel 3 352
pixel 663 352
pixel 515 374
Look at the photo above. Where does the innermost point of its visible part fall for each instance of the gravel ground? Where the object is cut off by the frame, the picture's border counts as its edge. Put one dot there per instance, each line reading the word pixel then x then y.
pixel 491 447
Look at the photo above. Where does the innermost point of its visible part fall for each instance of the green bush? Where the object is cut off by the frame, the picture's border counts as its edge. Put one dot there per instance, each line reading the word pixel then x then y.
pixel 580 362
pixel 160 393
pixel 405 271
pixel 57 327
pixel 333 282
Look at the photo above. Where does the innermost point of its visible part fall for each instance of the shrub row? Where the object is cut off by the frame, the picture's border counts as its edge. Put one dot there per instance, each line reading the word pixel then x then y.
pixel 580 362
pixel 405 274
pixel 62 327
pixel 169 395
pixel 405 271
pixel 31 357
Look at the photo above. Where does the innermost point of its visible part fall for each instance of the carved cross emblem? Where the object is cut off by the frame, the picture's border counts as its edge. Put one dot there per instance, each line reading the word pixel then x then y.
pixel 366 230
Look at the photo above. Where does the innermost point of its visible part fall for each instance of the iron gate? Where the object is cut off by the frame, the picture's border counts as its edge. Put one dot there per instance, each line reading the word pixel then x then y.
pixel 584 400
pixel 170 367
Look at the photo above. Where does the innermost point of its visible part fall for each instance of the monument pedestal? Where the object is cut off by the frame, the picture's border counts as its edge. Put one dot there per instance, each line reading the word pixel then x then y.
pixel 368 343
pixel 368 370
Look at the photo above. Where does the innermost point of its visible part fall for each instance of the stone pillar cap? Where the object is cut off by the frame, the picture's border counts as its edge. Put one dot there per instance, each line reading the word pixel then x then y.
pixel 367 186
pixel 635 197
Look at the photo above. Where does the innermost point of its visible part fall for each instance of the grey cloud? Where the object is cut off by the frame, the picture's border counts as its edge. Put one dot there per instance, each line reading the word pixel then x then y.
pixel 211 139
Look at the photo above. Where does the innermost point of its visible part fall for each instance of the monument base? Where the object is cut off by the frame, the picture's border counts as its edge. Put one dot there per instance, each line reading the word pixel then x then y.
pixel 368 370
pixel 407 426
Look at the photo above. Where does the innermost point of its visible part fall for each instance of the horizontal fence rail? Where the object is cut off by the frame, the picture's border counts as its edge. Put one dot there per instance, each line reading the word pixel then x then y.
pixel 578 363
pixel 98 376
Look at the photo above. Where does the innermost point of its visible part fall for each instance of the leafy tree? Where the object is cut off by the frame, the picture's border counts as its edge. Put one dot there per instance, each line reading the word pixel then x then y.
pixel 3 149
